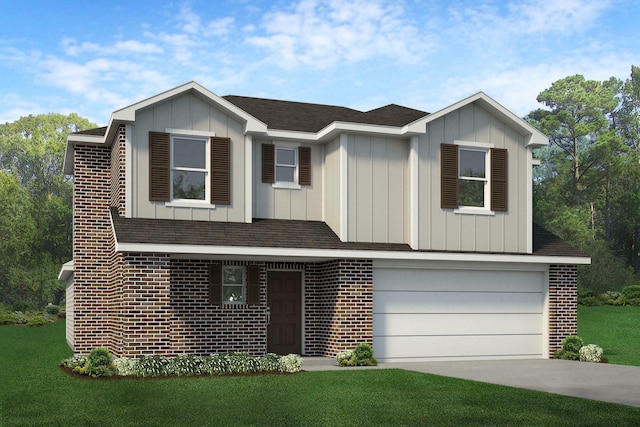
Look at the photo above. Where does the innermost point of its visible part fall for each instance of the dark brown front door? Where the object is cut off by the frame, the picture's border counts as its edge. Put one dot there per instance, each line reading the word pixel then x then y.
pixel 284 298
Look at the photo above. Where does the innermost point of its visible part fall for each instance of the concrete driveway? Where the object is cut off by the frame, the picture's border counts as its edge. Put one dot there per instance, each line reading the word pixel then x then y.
pixel 596 381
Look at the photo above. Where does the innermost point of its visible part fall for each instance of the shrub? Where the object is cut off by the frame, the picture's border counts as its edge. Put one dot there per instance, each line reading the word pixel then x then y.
pixel 588 297
pixel 186 364
pixel 52 310
pixel 37 320
pixel 290 363
pixel 362 355
pixel 631 295
pixel 571 346
pixel 125 366
pixel 7 318
pixel 572 343
pixel 591 353
pixel 100 363
pixel 21 318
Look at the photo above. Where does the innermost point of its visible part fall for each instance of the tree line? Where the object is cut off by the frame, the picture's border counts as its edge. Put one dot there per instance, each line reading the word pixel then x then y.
pixel 586 189
pixel 35 208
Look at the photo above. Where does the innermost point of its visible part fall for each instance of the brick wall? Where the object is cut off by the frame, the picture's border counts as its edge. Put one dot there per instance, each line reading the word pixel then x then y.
pixel 198 327
pixel 339 306
pixel 118 170
pixel 92 248
pixel 563 304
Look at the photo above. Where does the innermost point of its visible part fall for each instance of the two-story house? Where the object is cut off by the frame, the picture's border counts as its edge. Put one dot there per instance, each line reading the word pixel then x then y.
pixel 207 224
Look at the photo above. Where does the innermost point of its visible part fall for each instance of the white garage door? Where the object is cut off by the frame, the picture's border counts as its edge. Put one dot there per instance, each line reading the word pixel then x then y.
pixel 438 314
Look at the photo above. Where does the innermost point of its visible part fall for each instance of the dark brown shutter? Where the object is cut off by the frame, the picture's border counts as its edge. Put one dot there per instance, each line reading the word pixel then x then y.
pixel 499 179
pixel 215 284
pixel 159 166
pixel 449 176
pixel 220 171
pixel 253 285
pixel 304 165
pixel 268 162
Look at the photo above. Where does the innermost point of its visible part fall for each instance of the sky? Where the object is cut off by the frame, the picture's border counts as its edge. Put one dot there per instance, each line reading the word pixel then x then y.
pixel 93 58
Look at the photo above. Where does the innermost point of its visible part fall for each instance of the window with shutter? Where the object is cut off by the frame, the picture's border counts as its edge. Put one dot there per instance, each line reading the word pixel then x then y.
pixel 473 178
pixel 286 166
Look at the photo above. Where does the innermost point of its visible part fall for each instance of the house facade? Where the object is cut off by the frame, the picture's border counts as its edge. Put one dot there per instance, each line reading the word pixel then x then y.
pixel 206 224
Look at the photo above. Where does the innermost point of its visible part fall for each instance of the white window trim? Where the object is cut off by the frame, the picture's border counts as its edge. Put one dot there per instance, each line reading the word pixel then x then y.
pixel 193 135
pixel 244 284
pixel 477 210
pixel 286 184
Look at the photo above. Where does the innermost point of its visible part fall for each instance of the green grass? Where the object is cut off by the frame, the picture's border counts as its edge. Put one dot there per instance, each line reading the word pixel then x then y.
pixel 616 329
pixel 35 392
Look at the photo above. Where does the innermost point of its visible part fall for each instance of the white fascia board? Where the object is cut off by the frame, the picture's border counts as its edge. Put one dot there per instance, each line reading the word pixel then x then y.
pixel 66 272
pixel 128 114
pixel 295 253
pixel 67 163
pixel 336 128
pixel 535 138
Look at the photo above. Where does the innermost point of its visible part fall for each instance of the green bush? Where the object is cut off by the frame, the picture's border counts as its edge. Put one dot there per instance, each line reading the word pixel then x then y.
pixel 154 365
pixel 631 295
pixel 53 310
pixel 566 355
pixel 100 363
pixel 572 343
pixel 362 355
pixel 37 320
pixel 588 297
pixel 290 363
pixel 591 353
pixel 8 318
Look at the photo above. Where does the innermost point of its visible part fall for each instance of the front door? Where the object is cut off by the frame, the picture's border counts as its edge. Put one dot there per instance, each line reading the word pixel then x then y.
pixel 284 298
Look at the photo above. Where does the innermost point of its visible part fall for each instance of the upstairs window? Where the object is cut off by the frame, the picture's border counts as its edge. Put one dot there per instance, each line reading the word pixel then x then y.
pixel 474 178
pixel 286 166
pixel 189 168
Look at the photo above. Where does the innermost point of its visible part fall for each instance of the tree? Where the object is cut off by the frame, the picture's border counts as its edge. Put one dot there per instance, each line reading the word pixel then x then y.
pixel 36 197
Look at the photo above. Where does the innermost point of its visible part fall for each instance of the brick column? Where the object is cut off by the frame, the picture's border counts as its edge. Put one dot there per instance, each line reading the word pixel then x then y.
pixel 563 304
pixel 145 308
pixel 339 306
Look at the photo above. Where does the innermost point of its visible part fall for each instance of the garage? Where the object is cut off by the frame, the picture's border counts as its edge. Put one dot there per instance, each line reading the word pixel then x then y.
pixel 459 312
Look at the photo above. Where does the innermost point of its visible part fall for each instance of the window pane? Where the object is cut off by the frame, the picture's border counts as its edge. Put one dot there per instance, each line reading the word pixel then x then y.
pixel 472 193
pixel 189 153
pixel 232 276
pixel 285 156
pixel 232 293
pixel 285 173
pixel 472 163
pixel 189 185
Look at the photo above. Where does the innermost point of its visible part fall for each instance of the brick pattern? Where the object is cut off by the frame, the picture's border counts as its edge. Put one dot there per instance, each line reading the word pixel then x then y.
pixel 200 328
pixel 118 170
pixel 92 248
pixel 563 304
pixel 339 306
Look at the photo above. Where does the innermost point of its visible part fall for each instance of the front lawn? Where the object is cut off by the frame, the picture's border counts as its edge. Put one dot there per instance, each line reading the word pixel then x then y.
pixel 616 329
pixel 34 391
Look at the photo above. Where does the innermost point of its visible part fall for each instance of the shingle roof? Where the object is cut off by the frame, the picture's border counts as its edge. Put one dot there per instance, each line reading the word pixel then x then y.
pixel 546 243
pixel 305 117
pixel 277 233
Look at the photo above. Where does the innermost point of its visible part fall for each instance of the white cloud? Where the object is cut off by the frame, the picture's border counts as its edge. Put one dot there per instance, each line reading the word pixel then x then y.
pixel 557 17
pixel 320 34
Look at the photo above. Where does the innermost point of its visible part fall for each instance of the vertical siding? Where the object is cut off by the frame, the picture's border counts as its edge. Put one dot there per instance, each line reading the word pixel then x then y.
pixel 304 203
pixel 377 195
pixel 331 185
pixel 442 229
pixel 188 112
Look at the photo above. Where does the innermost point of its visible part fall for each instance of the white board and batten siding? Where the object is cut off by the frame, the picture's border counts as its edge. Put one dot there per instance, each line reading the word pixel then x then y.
pixel 458 312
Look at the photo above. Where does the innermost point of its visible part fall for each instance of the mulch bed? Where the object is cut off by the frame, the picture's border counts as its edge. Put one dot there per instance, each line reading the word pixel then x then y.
pixel 70 372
